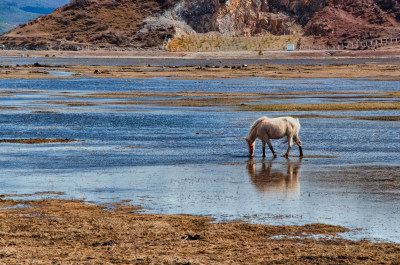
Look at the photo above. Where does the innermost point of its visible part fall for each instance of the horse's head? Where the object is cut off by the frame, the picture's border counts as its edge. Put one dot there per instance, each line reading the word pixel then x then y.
pixel 250 146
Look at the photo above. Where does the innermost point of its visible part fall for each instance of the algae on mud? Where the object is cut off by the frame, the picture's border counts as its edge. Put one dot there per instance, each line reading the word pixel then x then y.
pixel 37 141
pixel 58 231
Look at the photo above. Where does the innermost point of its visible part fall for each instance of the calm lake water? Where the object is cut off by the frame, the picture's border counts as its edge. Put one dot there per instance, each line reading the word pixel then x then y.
pixel 174 160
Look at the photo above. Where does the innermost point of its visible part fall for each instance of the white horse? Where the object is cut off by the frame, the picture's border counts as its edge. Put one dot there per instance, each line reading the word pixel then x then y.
pixel 276 128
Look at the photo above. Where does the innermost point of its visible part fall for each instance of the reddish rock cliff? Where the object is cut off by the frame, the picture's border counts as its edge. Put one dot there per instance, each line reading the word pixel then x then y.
pixel 346 21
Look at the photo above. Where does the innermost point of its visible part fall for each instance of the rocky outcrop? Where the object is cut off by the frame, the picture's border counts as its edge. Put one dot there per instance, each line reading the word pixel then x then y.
pixel 200 14
pixel 243 18
pixel 232 17
pixel 346 21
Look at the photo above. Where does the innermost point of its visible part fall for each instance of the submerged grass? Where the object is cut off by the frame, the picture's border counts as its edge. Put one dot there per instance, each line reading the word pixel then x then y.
pixel 361 106
pixel 379 118
pixel 368 118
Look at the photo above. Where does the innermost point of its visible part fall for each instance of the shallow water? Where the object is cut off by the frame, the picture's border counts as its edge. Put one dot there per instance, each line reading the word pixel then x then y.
pixel 173 160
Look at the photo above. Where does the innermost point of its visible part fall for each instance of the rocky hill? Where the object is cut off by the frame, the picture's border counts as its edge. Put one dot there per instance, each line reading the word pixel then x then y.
pixel 147 24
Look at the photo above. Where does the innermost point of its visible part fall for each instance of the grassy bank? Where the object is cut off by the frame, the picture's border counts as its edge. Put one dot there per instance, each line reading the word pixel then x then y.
pixel 72 232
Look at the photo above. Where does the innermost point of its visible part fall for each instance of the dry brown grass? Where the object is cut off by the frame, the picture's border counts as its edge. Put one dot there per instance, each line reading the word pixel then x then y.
pixel 71 232
pixel 211 42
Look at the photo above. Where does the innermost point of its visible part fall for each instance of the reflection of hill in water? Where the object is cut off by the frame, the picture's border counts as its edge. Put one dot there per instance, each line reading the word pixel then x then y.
pixel 282 179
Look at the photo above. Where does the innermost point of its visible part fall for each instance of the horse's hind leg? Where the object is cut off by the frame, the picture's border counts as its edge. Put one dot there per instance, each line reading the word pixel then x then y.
pixel 290 143
pixel 298 142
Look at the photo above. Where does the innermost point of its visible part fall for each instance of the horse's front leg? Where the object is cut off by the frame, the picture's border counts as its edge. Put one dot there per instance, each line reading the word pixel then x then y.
pixel 270 147
pixel 263 148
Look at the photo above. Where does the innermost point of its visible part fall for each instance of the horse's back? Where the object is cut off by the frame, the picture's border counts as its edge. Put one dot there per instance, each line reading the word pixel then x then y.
pixel 277 125
pixel 291 123
pixel 294 123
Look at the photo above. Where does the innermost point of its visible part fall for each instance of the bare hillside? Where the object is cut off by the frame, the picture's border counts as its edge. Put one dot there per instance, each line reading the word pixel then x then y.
pixel 147 24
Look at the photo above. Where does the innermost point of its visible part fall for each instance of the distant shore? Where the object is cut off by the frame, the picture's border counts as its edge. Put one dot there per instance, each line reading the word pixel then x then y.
pixel 314 54
pixel 211 68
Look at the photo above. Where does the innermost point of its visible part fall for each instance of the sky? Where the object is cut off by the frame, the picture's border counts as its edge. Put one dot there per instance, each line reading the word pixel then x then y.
pixel 15 12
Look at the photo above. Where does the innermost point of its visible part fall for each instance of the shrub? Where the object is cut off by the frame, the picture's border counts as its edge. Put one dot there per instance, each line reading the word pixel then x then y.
pixel 78 4
pixel 112 38
pixel 166 3
pixel 90 22
pixel 63 21
pixel 101 27
pixel 113 5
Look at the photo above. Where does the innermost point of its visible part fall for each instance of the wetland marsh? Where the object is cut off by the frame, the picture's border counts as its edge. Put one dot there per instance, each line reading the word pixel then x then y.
pixel 100 157
pixel 175 146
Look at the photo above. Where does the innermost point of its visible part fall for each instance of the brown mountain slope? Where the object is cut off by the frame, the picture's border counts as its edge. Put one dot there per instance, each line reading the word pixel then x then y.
pixel 146 24
pixel 94 22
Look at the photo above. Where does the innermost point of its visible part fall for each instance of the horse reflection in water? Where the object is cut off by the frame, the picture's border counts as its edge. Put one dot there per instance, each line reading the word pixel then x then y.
pixel 283 180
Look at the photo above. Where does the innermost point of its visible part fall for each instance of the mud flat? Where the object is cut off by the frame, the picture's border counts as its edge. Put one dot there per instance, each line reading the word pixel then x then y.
pixel 57 231
pixel 215 71
pixel 36 141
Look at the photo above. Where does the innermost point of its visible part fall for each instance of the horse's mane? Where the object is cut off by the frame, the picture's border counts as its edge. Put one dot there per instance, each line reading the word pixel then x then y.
pixel 257 123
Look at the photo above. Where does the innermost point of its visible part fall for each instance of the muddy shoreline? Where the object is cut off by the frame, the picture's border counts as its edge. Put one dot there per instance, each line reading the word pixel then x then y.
pixel 378 71
pixel 382 64
pixel 387 52
pixel 58 231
